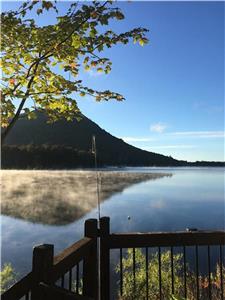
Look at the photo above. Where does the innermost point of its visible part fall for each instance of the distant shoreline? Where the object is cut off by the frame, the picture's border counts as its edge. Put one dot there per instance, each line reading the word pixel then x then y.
pixel 105 168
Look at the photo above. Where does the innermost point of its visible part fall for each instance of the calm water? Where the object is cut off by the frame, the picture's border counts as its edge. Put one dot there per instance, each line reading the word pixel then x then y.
pixel 191 197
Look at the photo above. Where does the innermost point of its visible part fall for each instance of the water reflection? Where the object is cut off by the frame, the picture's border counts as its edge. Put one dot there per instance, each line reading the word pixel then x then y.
pixel 60 197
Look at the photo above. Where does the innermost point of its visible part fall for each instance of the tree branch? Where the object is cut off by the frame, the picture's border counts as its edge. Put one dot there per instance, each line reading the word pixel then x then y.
pixel 16 116
pixel 50 53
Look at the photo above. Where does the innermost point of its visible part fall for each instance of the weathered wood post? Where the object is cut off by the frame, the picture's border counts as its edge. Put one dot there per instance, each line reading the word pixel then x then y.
pixel 42 266
pixel 104 258
pixel 90 271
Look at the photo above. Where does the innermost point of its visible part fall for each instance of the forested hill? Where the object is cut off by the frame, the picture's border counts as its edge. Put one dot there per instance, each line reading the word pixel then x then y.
pixel 37 144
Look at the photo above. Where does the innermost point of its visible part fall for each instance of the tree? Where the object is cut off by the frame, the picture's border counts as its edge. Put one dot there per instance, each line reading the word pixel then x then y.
pixel 33 55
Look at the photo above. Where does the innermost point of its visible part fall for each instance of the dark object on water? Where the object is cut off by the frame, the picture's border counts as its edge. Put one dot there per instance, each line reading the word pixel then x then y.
pixel 190 229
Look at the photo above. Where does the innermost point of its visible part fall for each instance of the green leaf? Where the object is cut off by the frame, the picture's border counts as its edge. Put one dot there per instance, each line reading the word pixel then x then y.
pixel 143 41
pixel 47 4
pixel 86 60
pixel 31 115
pixel 119 15
pixel 39 11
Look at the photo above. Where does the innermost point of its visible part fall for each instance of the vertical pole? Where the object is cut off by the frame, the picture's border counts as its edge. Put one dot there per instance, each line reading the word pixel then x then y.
pixel 42 266
pixel 90 270
pixel 94 151
pixel 104 258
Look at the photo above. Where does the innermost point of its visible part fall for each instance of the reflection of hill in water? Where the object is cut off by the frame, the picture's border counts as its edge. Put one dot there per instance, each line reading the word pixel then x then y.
pixel 60 197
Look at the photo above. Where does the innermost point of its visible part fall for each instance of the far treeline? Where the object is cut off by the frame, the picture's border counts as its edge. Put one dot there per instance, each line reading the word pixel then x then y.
pixel 65 157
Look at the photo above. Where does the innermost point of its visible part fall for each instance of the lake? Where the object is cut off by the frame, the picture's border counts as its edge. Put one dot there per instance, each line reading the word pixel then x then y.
pixel 191 197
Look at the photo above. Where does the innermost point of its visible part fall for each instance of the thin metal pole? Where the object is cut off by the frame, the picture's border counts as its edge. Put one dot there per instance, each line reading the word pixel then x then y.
pixel 209 273
pixel 77 278
pixel 185 273
pixel 197 272
pixel 94 151
pixel 146 270
pixel 160 274
pixel 221 272
pixel 70 279
pixel 172 269
pixel 121 272
pixel 134 271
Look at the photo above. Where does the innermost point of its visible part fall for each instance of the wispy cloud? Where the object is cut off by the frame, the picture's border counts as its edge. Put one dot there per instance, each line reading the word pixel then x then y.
pixel 174 136
pixel 199 134
pixel 158 127
pixel 172 147
pixel 137 139
pixel 209 108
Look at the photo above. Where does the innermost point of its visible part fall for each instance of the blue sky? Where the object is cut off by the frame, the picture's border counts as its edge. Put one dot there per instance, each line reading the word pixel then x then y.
pixel 174 86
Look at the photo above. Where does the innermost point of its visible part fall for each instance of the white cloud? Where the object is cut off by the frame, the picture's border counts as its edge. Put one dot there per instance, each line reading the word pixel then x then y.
pixel 199 134
pixel 158 127
pixel 137 139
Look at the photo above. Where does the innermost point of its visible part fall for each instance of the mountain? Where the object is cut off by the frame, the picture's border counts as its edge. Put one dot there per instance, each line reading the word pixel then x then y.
pixel 38 144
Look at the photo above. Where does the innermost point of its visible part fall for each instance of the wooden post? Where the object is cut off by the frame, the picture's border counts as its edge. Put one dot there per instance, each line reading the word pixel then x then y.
pixel 42 266
pixel 90 267
pixel 104 258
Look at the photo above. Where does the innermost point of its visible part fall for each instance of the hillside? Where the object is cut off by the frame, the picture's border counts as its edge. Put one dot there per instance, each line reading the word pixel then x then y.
pixel 37 144
pixel 65 139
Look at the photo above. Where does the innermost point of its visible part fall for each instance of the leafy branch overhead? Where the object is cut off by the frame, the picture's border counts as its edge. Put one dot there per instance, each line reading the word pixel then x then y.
pixel 32 57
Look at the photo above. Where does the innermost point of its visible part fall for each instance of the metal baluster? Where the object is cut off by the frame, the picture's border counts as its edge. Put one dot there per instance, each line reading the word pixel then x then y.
pixel 209 272
pixel 82 278
pixel 185 273
pixel 121 271
pixel 77 278
pixel 221 272
pixel 172 270
pixel 27 296
pixel 134 271
pixel 146 270
pixel 70 279
pixel 160 277
pixel 197 272
pixel 62 281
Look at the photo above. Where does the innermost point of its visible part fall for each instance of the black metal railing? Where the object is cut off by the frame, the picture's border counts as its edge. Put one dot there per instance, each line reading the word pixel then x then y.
pixel 196 283
pixel 197 279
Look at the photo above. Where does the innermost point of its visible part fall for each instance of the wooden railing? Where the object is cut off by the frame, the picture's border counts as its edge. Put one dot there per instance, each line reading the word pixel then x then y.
pixel 76 273
pixel 55 275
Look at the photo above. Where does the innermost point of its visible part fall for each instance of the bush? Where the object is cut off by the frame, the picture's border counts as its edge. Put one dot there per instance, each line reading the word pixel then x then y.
pixel 8 277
